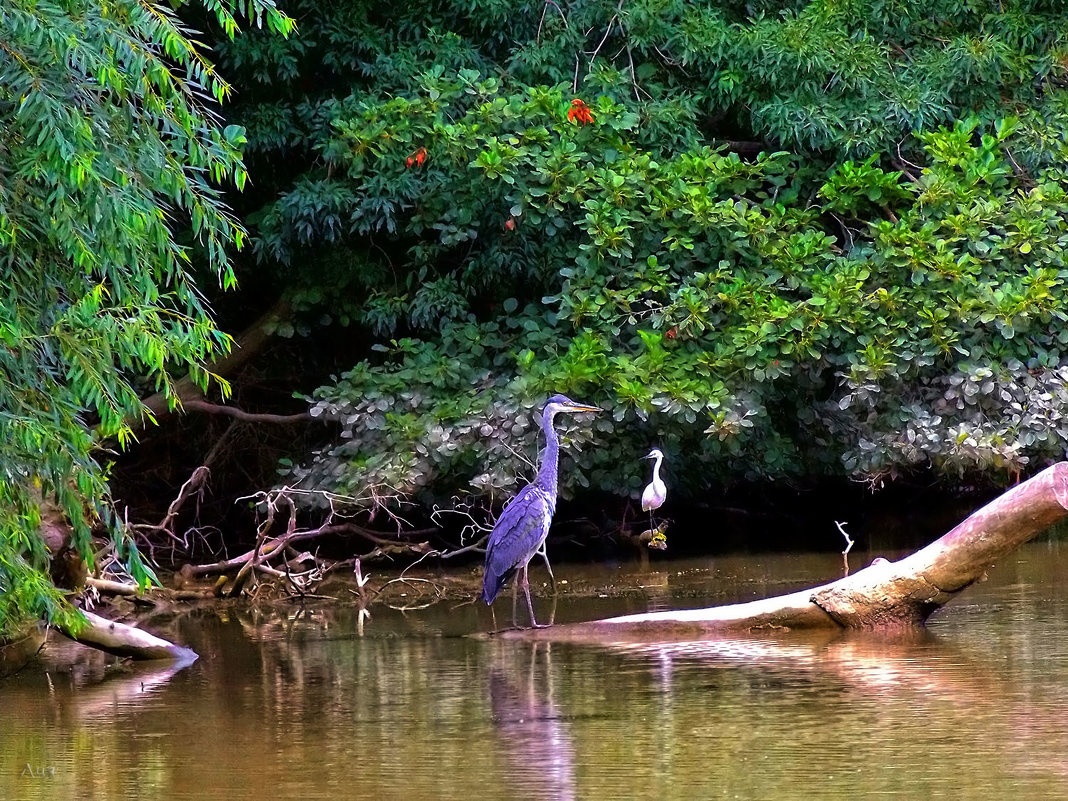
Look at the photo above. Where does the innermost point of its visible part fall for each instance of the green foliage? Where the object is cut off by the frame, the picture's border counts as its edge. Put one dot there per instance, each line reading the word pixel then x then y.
pixel 767 314
pixel 108 147
pixel 747 255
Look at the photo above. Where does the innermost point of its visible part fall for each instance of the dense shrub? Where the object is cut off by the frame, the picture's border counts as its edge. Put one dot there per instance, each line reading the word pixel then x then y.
pixel 786 238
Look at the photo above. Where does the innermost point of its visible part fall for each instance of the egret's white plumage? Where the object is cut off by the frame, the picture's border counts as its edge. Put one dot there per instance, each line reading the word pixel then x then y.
pixel 654 494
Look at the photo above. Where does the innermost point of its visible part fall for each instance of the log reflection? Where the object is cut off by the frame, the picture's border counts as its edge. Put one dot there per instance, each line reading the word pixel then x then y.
pixel 916 674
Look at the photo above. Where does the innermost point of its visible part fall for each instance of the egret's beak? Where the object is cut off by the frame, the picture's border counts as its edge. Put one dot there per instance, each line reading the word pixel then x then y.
pixel 582 407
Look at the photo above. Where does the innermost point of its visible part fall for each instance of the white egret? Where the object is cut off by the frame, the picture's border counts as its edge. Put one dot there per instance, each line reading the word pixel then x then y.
pixel 654 495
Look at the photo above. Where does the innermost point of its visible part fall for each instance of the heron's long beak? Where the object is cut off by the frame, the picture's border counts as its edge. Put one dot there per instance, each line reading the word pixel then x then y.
pixel 582 407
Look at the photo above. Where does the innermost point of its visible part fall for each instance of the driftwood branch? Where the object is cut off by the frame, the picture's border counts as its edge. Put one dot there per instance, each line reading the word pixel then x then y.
pixel 274 547
pixel 257 557
pixel 123 590
pixel 884 595
pixel 274 554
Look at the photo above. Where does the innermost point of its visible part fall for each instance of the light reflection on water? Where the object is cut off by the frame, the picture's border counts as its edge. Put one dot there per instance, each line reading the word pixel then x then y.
pixel 296 706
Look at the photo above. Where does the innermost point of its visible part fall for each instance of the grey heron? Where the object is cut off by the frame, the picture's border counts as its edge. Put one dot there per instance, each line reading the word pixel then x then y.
pixel 521 529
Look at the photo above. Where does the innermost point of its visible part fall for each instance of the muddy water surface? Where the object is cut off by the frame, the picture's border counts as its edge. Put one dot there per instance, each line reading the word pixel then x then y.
pixel 294 704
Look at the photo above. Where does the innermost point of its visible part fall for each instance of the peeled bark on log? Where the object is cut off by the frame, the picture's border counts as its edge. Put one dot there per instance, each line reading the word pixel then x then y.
pixel 885 595
pixel 122 640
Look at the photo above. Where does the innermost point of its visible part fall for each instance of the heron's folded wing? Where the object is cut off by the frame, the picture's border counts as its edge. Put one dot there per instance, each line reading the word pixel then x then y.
pixel 519 531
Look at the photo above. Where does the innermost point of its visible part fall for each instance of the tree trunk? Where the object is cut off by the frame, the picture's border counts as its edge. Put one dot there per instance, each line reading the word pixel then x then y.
pixel 884 595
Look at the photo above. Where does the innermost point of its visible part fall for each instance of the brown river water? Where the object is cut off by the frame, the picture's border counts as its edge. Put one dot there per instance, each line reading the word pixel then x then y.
pixel 293 704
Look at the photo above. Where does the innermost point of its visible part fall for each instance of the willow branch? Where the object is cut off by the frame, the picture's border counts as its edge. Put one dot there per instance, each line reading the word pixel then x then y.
pixel 246 345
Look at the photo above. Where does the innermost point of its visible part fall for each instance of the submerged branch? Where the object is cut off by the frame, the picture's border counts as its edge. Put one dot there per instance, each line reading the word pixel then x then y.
pixel 124 590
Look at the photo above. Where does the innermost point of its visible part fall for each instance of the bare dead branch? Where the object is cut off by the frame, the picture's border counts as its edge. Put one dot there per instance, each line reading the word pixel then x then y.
pixel 193 404
pixel 195 483
pixel 248 568
pixel 903 165
pixel 848 548
pixel 479 546
pixel 638 91
pixel 607 31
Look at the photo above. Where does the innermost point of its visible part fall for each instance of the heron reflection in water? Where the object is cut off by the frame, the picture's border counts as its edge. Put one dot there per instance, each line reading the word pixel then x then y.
pixel 533 735
pixel 521 530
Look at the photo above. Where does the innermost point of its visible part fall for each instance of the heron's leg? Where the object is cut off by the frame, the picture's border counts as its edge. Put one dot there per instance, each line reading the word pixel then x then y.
pixel 530 604
pixel 544 555
pixel 515 599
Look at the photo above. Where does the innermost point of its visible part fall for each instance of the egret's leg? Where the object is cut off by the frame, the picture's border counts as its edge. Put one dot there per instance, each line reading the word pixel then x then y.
pixel 544 555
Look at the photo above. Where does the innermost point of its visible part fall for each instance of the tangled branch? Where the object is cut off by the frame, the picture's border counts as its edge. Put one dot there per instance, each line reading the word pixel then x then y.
pixel 273 554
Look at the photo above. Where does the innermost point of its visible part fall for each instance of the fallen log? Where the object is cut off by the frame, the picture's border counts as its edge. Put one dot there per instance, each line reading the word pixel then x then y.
pixel 884 595
pixel 122 640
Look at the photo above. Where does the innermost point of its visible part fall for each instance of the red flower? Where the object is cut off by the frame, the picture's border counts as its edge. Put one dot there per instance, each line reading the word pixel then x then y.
pixel 510 223
pixel 416 157
pixel 579 112
pixel 672 332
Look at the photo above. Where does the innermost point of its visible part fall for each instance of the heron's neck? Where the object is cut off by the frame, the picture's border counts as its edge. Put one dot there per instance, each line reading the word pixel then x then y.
pixel 550 458
pixel 656 466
